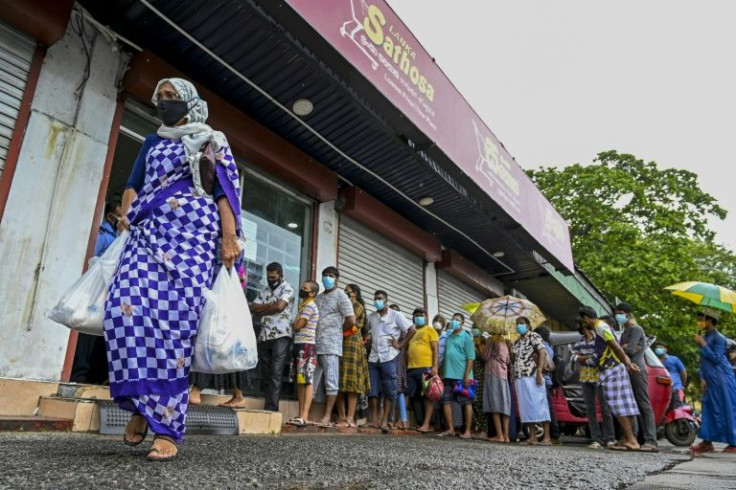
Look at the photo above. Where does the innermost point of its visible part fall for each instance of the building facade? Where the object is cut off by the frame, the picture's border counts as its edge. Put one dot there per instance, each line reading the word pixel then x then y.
pixel 355 150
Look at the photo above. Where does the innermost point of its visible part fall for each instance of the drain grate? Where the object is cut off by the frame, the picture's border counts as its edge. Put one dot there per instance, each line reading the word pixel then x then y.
pixel 201 419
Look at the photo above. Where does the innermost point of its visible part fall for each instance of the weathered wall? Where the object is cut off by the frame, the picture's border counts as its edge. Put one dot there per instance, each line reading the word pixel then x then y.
pixel 45 228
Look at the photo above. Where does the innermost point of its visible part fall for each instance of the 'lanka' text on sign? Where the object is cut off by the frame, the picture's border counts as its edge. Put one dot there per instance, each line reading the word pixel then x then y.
pixel 396 47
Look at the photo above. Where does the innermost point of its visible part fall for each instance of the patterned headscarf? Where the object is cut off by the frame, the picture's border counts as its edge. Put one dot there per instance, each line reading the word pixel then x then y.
pixel 199 111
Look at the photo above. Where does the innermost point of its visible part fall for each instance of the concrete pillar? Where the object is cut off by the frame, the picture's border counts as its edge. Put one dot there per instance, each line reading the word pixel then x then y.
pixel 45 228
pixel 327 234
pixel 430 290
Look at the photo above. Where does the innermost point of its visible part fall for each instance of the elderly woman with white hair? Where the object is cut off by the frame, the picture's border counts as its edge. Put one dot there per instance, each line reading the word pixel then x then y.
pixel 179 223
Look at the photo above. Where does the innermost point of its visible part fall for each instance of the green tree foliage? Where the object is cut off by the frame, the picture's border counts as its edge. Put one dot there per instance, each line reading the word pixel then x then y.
pixel 636 228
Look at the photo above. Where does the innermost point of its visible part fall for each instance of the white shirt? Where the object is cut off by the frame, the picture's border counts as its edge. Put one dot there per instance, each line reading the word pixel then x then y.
pixel 382 328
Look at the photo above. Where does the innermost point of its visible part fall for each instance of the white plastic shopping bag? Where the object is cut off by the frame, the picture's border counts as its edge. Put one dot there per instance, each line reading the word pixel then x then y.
pixel 82 307
pixel 225 340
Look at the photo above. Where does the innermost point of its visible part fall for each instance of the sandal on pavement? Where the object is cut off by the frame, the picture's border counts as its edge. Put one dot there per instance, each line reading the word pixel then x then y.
pixel 385 428
pixel 142 435
pixel 702 448
pixel 466 436
pixel 298 421
pixel 649 448
pixel 623 447
pixel 153 453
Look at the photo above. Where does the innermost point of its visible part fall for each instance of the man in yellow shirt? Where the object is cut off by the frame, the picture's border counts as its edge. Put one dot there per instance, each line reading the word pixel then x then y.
pixel 423 359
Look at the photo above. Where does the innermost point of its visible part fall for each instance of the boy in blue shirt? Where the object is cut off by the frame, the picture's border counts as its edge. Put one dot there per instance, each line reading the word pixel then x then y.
pixel 677 371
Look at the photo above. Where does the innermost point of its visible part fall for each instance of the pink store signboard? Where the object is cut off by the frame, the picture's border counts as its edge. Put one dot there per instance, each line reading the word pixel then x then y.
pixel 378 44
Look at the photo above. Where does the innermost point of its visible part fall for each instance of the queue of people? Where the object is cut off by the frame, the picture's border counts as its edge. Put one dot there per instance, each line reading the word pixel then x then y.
pixel 184 222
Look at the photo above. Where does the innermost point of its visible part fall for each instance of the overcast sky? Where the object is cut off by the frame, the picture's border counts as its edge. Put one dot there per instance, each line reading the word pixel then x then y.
pixel 558 82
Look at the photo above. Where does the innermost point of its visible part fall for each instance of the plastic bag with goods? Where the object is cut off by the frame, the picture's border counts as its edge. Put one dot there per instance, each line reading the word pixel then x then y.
pixel 225 340
pixel 82 306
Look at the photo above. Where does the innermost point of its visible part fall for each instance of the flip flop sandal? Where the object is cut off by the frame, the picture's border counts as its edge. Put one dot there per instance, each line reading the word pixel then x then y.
pixel 385 429
pixel 143 434
pixel 463 436
pixel 648 448
pixel 154 450
pixel 352 425
pixel 623 447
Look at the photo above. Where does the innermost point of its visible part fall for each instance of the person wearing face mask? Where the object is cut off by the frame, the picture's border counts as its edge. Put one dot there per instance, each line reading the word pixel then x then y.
pixel 718 384
pixel 273 304
pixel 90 359
pixel 583 354
pixel 440 325
pixel 354 381
pixel 181 235
pixel 731 352
pixel 614 366
pixel 677 371
pixel 457 367
pixel 304 362
pixel 423 360
pixel 336 318
pixel 386 327
pixel 528 357
pixel 634 343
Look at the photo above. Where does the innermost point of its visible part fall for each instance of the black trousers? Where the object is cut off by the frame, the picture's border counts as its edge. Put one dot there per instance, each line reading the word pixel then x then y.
pixel 90 360
pixel 273 357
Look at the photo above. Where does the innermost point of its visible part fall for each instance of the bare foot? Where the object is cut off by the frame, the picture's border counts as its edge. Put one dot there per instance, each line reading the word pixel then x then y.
pixel 496 439
pixel 195 396
pixel 234 402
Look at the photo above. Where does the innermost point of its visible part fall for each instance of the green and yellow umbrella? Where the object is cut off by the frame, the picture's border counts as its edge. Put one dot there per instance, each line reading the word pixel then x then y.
pixel 706 294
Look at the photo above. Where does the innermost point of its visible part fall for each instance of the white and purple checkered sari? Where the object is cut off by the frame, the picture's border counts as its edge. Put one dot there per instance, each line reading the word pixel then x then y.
pixel 155 300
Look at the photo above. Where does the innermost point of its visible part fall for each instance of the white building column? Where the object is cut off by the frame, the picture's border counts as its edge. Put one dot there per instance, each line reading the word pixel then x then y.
pixel 430 289
pixel 53 195
pixel 327 234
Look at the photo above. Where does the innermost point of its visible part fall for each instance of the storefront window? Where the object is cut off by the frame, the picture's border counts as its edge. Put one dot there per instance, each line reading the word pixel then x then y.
pixel 277 225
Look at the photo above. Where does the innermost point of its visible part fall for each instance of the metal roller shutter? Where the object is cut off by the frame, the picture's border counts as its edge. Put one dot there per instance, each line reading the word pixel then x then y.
pixel 374 262
pixel 16 55
pixel 453 294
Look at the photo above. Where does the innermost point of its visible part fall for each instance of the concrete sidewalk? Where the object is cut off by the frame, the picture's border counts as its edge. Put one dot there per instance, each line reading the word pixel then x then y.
pixel 711 471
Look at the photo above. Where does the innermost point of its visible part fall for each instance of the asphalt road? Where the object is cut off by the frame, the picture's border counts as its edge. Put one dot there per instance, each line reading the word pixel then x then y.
pixel 71 461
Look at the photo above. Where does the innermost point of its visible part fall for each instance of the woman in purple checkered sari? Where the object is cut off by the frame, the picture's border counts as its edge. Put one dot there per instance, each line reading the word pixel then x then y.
pixel 176 231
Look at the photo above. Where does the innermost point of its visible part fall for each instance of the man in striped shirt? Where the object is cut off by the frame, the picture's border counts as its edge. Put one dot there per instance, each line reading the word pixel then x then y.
pixel 583 354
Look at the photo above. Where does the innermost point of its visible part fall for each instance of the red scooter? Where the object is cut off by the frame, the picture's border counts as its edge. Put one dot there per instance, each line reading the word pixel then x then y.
pixel 681 425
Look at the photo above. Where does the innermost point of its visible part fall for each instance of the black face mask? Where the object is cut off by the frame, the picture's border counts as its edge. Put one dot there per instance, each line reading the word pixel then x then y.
pixel 303 293
pixel 171 111
pixel 273 284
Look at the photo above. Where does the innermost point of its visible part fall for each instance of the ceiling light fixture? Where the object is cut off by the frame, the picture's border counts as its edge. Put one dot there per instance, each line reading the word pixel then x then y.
pixel 302 107
pixel 426 201
pixel 292 225
pixel 498 254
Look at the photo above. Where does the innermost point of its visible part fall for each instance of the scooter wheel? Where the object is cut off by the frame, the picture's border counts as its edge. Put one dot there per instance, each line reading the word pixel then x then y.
pixel 681 432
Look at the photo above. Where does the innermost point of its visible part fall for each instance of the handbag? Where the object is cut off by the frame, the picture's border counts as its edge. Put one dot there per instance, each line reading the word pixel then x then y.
pixel 207 163
pixel 433 388
pixel 468 392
